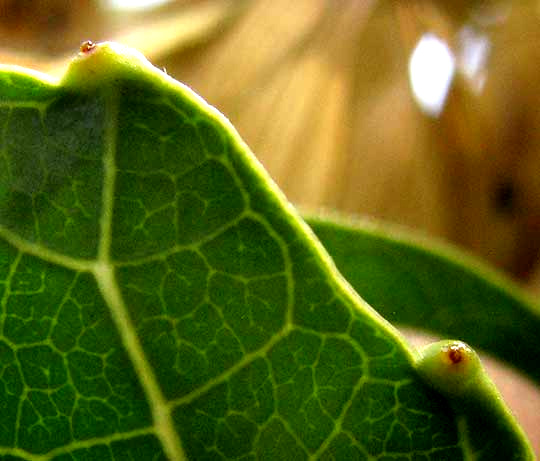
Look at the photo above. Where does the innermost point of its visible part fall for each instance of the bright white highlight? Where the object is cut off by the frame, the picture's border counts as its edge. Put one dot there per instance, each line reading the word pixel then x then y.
pixel 473 56
pixel 134 4
pixel 431 69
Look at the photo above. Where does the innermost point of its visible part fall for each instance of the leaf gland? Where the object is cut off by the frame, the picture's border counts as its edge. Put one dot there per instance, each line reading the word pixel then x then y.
pixel 87 46
pixel 456 352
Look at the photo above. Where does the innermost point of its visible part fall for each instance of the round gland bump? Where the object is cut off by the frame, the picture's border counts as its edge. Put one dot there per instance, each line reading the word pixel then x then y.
pixel 450 366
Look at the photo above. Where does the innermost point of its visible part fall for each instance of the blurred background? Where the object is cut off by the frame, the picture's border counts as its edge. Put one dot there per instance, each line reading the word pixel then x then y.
pixel 424 113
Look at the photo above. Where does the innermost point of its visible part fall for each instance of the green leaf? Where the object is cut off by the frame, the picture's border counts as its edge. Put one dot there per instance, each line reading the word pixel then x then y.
pixel 417 283
pixel 161 300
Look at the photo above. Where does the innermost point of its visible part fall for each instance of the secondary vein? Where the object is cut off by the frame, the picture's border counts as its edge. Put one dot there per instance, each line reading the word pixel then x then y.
pixel 40 251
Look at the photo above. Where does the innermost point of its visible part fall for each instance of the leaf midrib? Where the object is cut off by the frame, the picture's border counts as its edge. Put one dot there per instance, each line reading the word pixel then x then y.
pixel 105 276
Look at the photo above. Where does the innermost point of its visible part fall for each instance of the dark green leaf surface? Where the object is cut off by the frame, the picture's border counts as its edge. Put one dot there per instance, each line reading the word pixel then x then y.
pixel 420 284
pixel 161 301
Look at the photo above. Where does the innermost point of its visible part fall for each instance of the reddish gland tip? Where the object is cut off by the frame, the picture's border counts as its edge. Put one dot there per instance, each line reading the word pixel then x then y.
pixel 455 353
pixel 87 46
